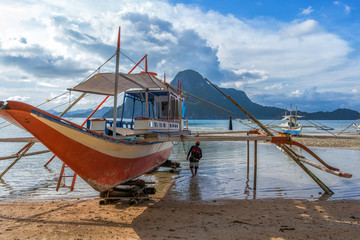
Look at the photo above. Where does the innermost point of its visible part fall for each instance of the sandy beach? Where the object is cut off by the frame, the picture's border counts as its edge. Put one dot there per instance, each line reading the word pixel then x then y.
pixel 164 217
pixel 171 219
pixel 344 141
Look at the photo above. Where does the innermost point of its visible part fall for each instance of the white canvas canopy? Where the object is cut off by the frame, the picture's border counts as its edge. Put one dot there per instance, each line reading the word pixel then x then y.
pixel 103 83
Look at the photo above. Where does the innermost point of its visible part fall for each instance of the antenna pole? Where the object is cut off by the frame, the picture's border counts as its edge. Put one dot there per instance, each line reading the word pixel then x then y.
pixel 116 83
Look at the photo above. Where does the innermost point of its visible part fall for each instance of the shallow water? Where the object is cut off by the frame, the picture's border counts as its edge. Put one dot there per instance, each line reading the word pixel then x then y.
pixel 222 172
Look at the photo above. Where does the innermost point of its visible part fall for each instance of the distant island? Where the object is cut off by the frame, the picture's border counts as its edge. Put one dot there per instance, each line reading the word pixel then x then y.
pixel 193 83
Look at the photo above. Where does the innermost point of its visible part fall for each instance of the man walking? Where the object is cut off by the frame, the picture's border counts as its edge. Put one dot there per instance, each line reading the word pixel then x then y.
pixel 195 154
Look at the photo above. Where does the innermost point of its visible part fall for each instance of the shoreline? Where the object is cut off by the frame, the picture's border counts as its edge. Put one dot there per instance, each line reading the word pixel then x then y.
pixel 344 141
pixel 164 217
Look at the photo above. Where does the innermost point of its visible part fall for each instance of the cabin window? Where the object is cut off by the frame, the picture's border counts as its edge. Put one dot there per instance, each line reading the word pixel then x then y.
pixel 164 109
pixel 156 124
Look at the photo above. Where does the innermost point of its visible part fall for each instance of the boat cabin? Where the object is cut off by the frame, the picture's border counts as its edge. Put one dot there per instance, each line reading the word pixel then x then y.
pixel 149 106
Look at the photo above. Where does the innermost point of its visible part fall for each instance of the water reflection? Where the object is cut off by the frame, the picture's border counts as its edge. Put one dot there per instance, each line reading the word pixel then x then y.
pixel 6 187
pixel 222 174
pixel 194 189
pixel 247 188
pixel 223 171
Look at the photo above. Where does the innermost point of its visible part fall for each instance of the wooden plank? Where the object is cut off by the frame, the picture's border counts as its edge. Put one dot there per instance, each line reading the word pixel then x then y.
pixel 21 153
pixel 24 139
pixel 191 138
pixel 25 155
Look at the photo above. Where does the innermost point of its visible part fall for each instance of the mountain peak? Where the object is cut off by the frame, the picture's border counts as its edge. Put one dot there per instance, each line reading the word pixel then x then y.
pixel 189 78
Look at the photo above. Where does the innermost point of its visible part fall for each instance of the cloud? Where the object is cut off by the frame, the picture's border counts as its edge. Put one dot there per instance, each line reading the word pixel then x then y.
pixel 47 44
pixel 347 8
pixel 275 87
pixel 296 93
pixel 245 77
pixel 306 11
pixel 18 98
pixel 298 29
pixel 310 99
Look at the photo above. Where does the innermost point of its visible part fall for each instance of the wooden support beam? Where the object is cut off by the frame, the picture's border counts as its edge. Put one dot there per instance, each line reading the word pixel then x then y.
pixel 52 158
pixel 191 138
pixel 21 153
pixel 248 157
pixel 25 139
pixel 284 147
pixel 255 164
pixel 25 155
pixel 72 105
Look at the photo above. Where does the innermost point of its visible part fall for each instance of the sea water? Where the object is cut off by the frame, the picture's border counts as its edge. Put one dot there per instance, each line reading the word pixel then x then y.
pixel 222 172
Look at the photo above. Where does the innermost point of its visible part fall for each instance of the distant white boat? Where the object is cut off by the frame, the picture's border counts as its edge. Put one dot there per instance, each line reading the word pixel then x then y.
pixel 357 126
pixel 243 121
pixel 291 126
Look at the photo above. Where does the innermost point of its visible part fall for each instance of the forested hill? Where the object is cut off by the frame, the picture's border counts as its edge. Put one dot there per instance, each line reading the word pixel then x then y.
pixel 195 84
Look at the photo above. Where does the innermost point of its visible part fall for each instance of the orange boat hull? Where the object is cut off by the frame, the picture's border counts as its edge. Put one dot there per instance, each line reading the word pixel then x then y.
pixel 103 162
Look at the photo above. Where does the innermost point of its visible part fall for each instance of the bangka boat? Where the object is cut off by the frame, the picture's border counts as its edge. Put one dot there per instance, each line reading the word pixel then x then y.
pixel 102 160
pixel 107 153
pixel 357 126
pixel 291 126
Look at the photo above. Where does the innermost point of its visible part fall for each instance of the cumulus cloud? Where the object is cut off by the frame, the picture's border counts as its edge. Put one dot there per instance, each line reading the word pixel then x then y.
pixel 306 11
pixel 245 77
pixel 347 8
pixel 298 29
pixel 18 98
pixel 309 99
pixel 51 45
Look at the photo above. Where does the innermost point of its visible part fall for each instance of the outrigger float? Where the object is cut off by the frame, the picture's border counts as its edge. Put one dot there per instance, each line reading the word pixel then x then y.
pixel 108 153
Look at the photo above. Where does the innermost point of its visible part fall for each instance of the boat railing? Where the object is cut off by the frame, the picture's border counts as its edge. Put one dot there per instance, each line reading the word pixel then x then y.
pixel 103 125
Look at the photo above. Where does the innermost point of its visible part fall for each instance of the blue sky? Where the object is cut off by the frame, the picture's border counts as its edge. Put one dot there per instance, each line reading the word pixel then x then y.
pixel 280 52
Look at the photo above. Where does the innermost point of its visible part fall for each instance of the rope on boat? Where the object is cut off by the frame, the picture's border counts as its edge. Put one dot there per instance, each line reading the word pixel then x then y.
pixel 214 105
pixel 131 60
pixel 49 100
pixel 321 126
pixel 5 126
pixel 346 128
pixel 98 69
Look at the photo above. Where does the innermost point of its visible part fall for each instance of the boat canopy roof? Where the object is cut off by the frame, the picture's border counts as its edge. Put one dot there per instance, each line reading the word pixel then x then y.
pixel 103 83
pixel 291 117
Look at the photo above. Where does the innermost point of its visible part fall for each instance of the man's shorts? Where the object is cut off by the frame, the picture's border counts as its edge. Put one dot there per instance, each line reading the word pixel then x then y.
pixel 194 165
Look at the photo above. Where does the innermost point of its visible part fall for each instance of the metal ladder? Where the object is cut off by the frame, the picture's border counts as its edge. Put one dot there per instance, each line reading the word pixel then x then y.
pixel 63 177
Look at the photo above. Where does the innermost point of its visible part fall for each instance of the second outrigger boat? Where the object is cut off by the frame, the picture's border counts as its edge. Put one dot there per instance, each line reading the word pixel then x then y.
pixel 108 152
pixel 357 126
pixel 291 126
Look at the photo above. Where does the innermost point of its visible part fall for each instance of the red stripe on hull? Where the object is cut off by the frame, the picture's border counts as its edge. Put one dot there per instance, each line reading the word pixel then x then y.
pixel 99 170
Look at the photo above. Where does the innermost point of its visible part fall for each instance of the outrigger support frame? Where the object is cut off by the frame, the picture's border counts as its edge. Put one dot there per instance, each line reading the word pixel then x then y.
pixel 20 154
pixel 285 148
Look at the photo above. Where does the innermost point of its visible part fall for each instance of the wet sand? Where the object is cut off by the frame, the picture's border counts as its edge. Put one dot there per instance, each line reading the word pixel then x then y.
pixel 166 218
pixel 344 141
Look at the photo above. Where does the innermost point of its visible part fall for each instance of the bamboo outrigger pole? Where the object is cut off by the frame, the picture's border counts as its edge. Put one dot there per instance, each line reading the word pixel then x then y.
pixel 20 154
pixel 31 142
pixel 285 148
